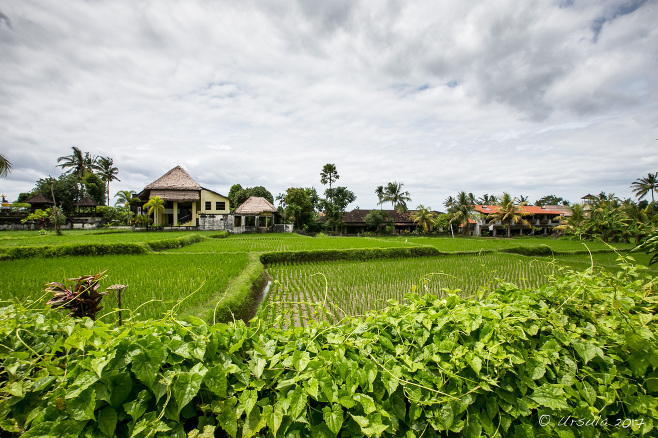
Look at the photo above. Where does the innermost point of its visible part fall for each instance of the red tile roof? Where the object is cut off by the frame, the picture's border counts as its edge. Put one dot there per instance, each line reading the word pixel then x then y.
pixel 530 209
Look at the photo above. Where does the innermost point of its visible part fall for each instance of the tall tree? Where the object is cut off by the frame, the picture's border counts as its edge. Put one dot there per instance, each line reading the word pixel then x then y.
pixel 509 213
pixel 487 199
pixel 329 174
pixel 551 200
pixel 75 163
pixel 394 194
pixel 124 197
pixel 648 184
pixel 5 166
pixel 108 173
pixel 337 200
pixel 299 206
pixel 95 187
pixel 461 211
pixel 424 217
pixel 379 191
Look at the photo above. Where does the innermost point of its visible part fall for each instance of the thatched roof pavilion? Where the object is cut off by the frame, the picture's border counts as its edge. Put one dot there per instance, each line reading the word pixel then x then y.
pixel 255 205
pixel 175 185
pixel 39 201
pixel 86 202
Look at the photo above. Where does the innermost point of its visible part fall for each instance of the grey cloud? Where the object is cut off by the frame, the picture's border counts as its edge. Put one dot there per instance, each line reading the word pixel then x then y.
pixel 6 19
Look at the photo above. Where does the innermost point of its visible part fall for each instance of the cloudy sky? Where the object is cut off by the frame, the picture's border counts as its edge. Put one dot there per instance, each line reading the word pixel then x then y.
pixel 534 98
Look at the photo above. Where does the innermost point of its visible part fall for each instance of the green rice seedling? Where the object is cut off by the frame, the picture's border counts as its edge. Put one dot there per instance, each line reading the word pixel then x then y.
pixel 156 282
pixel 357 288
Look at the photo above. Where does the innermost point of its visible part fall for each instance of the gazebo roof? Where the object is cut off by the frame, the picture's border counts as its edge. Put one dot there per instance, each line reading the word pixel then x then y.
pixel 39 198
pixel 86 202
pixel 255 205
pixel 176 179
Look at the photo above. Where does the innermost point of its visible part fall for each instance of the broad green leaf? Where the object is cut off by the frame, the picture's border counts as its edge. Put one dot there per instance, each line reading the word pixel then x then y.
pixel 297 402
pixel 216 381
pixel 208 432
pixel 550 396
pixel 82 407
pixel 82 382
pixel 333 416
pixel 274 421
pixel 300 360
pixel 248 400
pixel 107 421
pixel 119 386
pixel 136 408
pixel 367 402
pixel 585 350
pixel 187 385
pixel 226 416
pixel 253 424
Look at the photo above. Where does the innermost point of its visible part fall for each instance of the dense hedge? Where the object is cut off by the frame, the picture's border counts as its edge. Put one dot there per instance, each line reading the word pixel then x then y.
pixel 97 249
pixel 517 363
pixel 546 251
pixel 348 254
pixel 220 235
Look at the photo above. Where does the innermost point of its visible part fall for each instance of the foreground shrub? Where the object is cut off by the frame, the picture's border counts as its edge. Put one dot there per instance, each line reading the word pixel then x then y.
pixel 516 363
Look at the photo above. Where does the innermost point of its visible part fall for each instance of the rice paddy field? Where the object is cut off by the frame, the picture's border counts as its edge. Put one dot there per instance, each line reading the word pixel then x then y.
pixel 348 288
pixel 158 281
pixel 33 238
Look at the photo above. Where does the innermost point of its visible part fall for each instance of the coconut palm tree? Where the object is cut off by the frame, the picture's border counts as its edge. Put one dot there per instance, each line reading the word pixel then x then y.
pixel 108 173
pixel 155 205
pixel 576 223
pixel 642 186
pixel 125 198
pixel 461 212
pixel 75 163
pixel 5 166
pixel 508 213
pixel 393 193
pixel 423 217
pixel 379 191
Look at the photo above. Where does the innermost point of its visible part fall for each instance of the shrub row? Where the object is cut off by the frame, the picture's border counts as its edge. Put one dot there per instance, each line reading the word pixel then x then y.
pixel 220 235
pixel 518 363
pixel 97 249
pixel 241 297
pixel 545 251
pixel 348 254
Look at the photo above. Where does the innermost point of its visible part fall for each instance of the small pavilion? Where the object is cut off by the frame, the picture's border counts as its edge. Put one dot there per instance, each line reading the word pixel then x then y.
pixel 257 214
pixel 88 204
pixel 39 202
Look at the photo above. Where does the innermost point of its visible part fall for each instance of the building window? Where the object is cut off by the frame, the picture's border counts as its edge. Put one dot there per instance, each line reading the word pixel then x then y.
pixel 208 205
pixel 220 206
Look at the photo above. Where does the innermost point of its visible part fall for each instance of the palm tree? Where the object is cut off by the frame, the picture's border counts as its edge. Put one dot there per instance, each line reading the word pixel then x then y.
pixel 125 199
pixel 642 186
pixel 329 174
pixel 423 217
pixel 576 223
pixel 461 212
pixel 74 162
pixel 487 199
pixel 5 166
pixel 107 172
pixel 379 191
pixel 508 213
pixel 393 193
pixel 155 205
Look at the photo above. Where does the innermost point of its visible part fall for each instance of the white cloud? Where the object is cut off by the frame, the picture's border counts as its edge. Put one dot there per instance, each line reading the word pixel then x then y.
pixel 545 97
